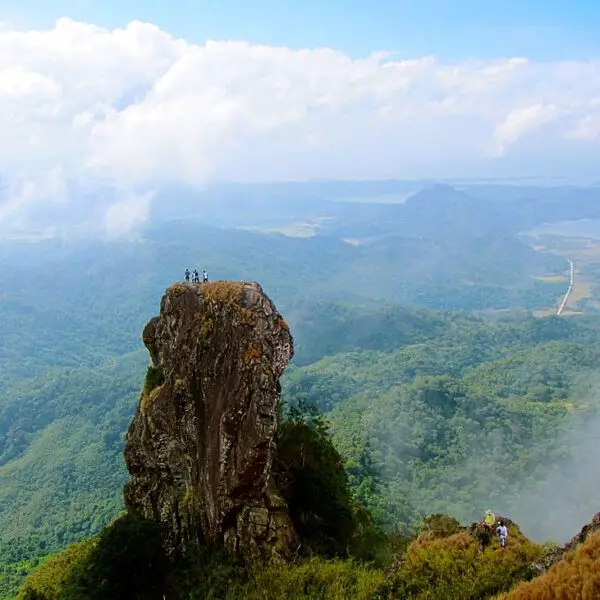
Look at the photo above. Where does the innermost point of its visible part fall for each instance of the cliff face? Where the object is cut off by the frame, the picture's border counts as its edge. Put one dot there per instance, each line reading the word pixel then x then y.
pixel 555 555
pixel 201 445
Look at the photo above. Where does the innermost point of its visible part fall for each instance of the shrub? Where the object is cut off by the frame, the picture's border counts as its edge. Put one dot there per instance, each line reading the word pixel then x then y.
pixel 154 378
pixel 439 525
pixel 53 579
pixel 369 543
pixel 313 579
pixel 577 575
pixel 224 292
pixel 127 562
pixel 124 562
pixel 310 475
pixel 454 567
pixel 206 575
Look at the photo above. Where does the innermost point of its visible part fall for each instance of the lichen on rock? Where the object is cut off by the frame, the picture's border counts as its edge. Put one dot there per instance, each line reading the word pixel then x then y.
pixel 201 446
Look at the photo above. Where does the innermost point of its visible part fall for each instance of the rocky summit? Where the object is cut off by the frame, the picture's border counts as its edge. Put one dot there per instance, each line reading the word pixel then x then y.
pixel 201 445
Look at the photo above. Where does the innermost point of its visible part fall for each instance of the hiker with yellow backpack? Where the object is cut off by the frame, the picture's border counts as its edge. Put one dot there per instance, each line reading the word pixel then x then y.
pixel 489 520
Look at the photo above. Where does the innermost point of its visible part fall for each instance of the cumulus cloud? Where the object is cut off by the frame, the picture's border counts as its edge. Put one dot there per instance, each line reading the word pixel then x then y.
pixel 587 128
pixel 22 195
pixel 135 107
pixel 521 121
pixel 126 214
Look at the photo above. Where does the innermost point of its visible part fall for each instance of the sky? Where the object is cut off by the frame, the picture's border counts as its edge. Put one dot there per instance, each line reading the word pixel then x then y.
pixel 133 94
pixel 451 29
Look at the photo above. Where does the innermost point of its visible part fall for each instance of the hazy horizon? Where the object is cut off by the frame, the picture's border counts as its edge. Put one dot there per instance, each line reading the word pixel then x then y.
pixel 102 105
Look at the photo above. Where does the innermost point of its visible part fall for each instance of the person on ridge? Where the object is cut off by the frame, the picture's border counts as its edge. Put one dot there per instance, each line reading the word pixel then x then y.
pixel 502 532
pixel 187 275
pixel 204 276
pixel 489 520
pixel 196 276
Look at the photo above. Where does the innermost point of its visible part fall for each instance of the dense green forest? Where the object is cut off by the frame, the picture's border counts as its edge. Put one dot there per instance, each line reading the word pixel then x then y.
pixel 431 412
pixel 343 554
pixel 433 406
pixel 466 412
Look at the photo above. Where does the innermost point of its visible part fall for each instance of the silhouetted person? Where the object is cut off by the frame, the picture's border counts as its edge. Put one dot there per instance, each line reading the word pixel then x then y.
pixel 187 275
pixel 196 276
pixel 204 276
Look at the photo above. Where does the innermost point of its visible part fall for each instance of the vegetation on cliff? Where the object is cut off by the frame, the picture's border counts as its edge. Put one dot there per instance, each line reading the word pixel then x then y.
pixel 74 470
pixel 340 557
pixel 577 575
pixel 125 560
pixel 443 561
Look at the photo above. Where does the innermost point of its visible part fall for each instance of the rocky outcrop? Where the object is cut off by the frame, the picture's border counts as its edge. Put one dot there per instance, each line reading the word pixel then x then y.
pixel 556 554
pixel 201 445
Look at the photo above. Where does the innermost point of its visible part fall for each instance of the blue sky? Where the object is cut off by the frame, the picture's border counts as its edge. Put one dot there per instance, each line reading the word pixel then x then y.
pixel 82 103
pixel 451 30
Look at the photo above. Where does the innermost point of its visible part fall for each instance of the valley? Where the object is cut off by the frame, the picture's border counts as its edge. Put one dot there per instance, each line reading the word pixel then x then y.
pixel 425 333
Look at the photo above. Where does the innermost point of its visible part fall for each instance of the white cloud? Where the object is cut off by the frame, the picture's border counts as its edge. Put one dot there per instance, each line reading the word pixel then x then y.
pixel 135 106
pixel 587 128
pixel 126 214
pixel 21 194
pixel 521 121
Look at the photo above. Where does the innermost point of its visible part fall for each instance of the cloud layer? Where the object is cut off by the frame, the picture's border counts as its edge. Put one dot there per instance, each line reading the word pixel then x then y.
pixel 135 107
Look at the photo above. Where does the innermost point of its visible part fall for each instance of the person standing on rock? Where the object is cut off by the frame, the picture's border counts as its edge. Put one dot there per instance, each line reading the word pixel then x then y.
pixel 196 278
pixel 204 276
pixel 502 532
pixel 187 275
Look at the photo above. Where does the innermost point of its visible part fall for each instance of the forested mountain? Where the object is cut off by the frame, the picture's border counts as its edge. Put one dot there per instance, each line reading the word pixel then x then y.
pixel 463 412
pixel 442 391
pixel 456 413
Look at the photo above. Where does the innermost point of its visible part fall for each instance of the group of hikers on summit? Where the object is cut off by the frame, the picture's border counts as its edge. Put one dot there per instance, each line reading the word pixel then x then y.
pixel 196 276
pixel 488 523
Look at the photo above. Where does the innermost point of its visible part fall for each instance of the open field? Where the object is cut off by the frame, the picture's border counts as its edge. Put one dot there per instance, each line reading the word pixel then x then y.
pixel 552 278
pixel 294 230
pixel 585 254
pixel 582 288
